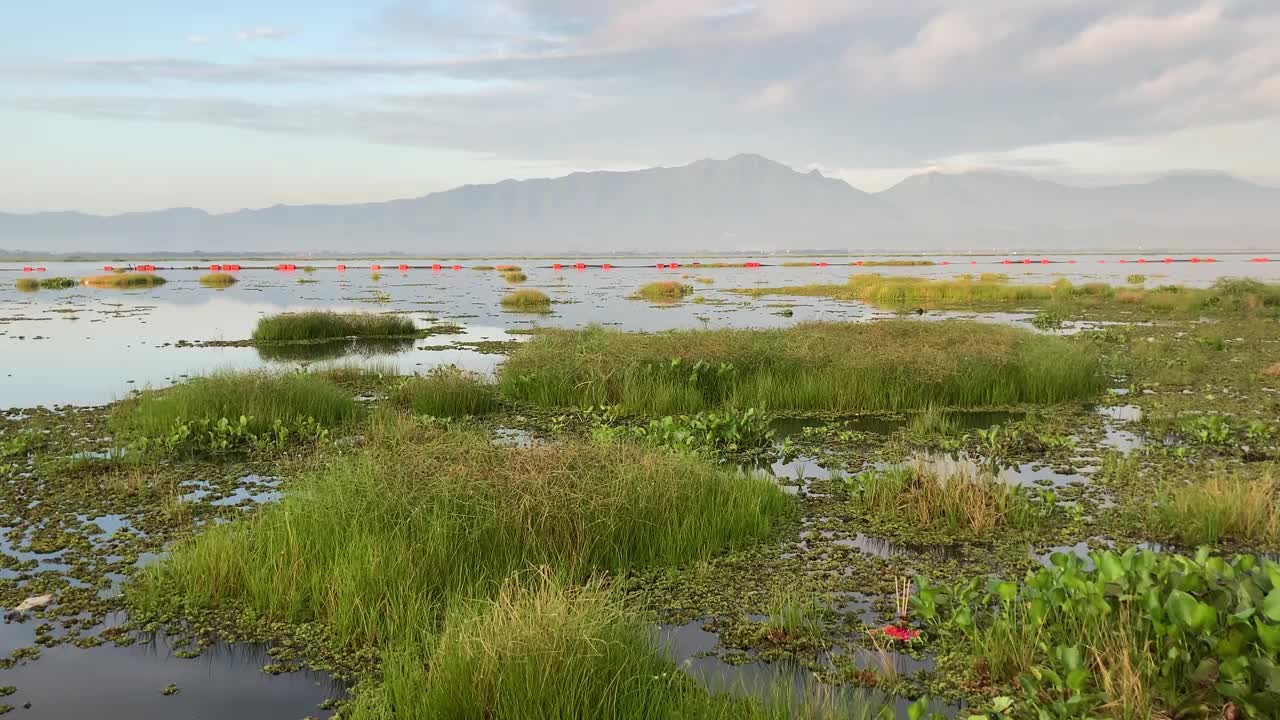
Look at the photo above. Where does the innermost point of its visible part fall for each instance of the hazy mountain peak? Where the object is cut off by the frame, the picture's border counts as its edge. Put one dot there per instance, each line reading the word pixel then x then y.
pixel 746 202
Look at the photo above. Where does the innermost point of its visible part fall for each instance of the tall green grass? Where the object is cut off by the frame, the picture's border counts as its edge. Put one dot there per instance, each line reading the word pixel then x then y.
pixel 264 398
pixel 447 392
pixel 27 284
pixel 839 367
pixel 542 649
pixel 327 325
pixel 58 283
pixel 514 277
pixel 123 280
pixel 379 545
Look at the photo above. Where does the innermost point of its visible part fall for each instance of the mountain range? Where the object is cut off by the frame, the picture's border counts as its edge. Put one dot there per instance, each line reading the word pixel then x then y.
pixel 742 204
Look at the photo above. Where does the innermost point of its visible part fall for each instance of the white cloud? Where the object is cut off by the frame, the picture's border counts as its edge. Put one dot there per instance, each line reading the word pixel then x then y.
pixel 261 33
pixel 1118 36
pixel 770 97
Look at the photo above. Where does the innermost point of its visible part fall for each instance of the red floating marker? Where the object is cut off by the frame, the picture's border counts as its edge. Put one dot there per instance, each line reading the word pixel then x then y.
pixel 1072 261
pixel 375 267
pixel 435 268
pixel 1142 260
pixel 674 265
pixel 39 269
pixel 946 262
pixel 108 268
pixel 1005 261
pixel 1210 260
pixel 1104 262
pixel 215 268
pixel 28 269
pixel 661 265
pixel 457 267
pixel 1167 260
pixel 557 266
pixel 1195 259
pixel 1121 261
pixel 1044 261
pixel 973 262
pixel 606 266
pixel 341 267
pixel 580 266
pixel 402 267
pixel 1026 261
pixel 859 263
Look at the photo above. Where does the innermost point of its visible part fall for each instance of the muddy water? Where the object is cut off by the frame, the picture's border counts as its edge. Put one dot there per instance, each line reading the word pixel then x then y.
pixel 89 346
pixel 127 683
pixel 112 681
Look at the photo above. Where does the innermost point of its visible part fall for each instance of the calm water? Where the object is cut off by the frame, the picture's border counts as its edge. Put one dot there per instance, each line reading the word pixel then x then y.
pixel 91 346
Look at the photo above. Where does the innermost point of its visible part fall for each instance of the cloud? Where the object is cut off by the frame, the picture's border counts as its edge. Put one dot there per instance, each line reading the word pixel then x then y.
pixel 261 33
pixel 844 83
pixel 770 97
pixel 1119 36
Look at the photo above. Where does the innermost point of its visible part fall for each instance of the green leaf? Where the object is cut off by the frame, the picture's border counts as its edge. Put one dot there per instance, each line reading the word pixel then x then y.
pixel 1269 635
pixel 1271 605
pixel 1110 569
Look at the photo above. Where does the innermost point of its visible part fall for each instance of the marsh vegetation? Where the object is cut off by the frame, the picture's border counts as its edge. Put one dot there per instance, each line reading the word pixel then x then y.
pixel 320 325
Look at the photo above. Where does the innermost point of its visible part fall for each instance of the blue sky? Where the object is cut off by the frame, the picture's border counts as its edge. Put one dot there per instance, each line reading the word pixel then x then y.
pixel 140 104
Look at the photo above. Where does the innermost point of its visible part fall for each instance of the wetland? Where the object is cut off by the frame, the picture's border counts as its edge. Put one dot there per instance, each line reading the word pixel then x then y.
pixel 928 489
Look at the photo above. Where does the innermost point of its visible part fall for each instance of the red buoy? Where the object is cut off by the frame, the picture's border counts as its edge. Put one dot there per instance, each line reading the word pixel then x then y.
pixel 661 265
pixel 606 266
pixel 435 268
pixel 580 266
pixel 557 266
pixel 341 267
pixel 108 268
pixel 215 268
pixel 402 267
pixel 375 267
pixel 457 267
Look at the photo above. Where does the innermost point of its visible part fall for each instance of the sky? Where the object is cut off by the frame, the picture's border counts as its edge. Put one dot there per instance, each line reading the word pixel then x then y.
pixel 112 106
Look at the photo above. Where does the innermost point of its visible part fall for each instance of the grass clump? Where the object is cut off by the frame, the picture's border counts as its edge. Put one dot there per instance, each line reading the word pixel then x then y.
pixel 58 283
pixel 447 392
pixel 820 367
pixel 27 284
pixel 527 300
pixel 317 325
pixel 481 267
pixel 1136 279
pixel 953 498
pixel 218 280
pixel 514 277
pixel 124 280
pixel 234 409
pixel 380 544
pixel 664 291
pixel 1223 507
pixel 897 263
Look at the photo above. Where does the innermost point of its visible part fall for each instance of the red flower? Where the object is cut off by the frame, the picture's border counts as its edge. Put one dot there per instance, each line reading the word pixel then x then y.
pixel 901 634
